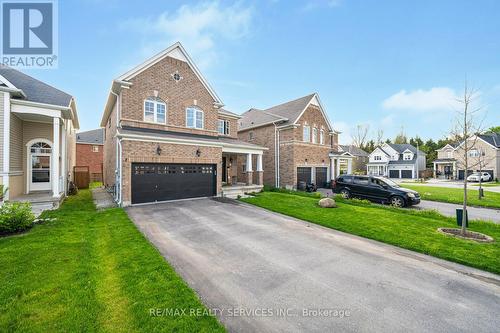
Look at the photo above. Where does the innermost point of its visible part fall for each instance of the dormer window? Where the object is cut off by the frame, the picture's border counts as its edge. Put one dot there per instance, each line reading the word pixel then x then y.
pixel 407 156
pixel 155 110
pixel 194 118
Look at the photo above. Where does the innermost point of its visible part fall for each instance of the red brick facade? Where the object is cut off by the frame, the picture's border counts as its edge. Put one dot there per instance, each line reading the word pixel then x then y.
pixel 85 156
pixel 293 151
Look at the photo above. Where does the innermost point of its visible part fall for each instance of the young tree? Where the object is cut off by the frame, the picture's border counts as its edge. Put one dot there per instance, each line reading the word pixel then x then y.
pixel 359 137
pixel 401 137
pixel 467 128
pixel 380 136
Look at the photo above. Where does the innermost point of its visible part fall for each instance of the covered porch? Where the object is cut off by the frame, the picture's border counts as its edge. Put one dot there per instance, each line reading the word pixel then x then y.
pixel 340 163
pixel 242 170
pixel 445 168
pixel 377 169
pixel 38 161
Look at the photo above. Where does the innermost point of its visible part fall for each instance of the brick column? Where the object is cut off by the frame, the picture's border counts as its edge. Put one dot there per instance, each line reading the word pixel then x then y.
pixel 249 175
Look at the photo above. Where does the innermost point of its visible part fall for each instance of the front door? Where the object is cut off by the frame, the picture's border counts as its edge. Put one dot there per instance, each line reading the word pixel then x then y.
pixel 40 172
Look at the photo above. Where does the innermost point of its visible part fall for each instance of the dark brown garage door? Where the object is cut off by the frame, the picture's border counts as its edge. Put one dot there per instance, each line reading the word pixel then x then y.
pixel 304 175
pixel 321 176
pixel 406 173
pixel 161 182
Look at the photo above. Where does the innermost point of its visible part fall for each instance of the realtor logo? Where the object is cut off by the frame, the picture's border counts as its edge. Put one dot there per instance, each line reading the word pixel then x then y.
pixel 29 33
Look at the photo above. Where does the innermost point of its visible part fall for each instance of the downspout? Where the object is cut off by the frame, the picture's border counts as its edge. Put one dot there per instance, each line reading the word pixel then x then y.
pixel 118 163
pixel 277 155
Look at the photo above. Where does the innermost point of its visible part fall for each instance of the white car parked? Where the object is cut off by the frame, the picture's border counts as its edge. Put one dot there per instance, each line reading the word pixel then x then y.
pixel 485 177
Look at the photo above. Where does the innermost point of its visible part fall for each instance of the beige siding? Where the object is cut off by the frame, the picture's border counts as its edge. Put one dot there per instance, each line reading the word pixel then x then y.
pixel 16 186
pixel 1 130
pixel 16 147
pixel 71 149
pixel 33 130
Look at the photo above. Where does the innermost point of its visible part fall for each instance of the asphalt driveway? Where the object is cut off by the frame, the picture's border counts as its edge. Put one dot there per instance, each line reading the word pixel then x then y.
pixel 264 272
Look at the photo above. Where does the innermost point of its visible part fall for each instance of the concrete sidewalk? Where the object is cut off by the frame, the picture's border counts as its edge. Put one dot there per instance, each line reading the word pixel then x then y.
pixel 448 209
pixel 102 198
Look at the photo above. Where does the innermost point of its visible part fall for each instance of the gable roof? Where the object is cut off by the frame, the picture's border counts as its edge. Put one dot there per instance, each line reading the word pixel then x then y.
pixel 287 113
pixel 255 118
pixel 34 90
pixel 94 136
pixel 355 151
pixel 401 147
pixel 178 52
pixel 491 138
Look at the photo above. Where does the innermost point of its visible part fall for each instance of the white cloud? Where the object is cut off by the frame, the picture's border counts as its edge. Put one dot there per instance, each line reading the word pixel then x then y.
pixel 198 27
pixel 438 98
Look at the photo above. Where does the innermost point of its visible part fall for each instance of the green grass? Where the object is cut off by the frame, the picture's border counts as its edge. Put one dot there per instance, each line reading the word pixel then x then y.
pixel 409 229
pixel 455 195
pixel 95 185
pixel 91 271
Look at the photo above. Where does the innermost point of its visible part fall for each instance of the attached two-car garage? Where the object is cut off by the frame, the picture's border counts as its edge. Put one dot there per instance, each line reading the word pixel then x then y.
pixel 152 182
pixel 397 173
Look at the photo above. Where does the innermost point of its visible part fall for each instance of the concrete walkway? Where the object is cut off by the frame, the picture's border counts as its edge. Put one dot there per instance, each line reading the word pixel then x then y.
pixel 448 209
pixel 102 199
pixel 264 272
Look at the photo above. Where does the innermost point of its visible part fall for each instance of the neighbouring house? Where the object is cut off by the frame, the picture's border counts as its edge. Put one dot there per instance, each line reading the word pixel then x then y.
pixel 359 160
pixel 90 152
pixel 396 161
pixel 484 155
pixel 167 136
pixel 302 145
pixel 37 145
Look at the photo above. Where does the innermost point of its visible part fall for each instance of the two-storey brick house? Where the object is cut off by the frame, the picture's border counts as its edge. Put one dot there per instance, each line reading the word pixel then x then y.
pixel 483 155
pixel 167 135
pixel 302 145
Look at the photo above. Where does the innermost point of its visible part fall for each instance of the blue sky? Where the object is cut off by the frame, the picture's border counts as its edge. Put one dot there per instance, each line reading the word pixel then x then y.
pixel 389 64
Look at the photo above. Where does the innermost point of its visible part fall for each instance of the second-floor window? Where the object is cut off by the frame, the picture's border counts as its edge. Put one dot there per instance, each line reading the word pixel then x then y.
pixel 155 110
pixel 194 118
pixel 95 149
pixel 223 127
pixel 407 157
pixel 377 158
pixel 450 153
pixel 315 135
pixel 306 135
pixel 322 137
pixel 474 153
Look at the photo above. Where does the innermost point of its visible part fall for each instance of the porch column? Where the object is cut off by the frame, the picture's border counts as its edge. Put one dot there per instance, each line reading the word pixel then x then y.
pixel 332 168
pixel 259 170
pixel 63 156
pixel 55 158
pixel 434 170
pixel 455 171
pixel 249 169
pixel 349 165
pixel 6 143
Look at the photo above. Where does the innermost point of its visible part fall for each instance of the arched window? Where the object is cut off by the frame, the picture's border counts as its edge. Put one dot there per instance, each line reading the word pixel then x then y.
pixel 155 110
pixel 40 148
pixel 194 118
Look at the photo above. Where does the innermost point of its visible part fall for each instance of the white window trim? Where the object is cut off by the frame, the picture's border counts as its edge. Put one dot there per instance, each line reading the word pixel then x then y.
pixel 225 127
pixel 155 111
pixel 321 137
pixel 315 135
pixel 308 134
pixel 95 149
pixel 196 110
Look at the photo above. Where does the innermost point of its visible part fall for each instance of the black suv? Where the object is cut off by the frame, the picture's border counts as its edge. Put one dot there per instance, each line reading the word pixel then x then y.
pixel 375 189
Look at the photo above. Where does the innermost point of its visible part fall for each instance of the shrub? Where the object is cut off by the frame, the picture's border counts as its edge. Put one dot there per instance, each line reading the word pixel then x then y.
pixel 15 217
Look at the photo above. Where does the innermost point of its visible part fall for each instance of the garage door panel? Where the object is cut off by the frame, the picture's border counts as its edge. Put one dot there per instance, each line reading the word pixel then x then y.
pixel 406 173
pixel 321 176
pixel 393 173
pixel 162 182
pixel 304 175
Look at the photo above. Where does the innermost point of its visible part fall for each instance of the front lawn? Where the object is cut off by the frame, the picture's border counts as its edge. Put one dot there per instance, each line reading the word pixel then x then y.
pixel 91 271
pixel 409 229
pixel 455 195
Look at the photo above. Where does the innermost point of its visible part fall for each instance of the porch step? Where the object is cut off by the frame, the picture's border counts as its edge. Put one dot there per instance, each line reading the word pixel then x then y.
pixel 233 192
